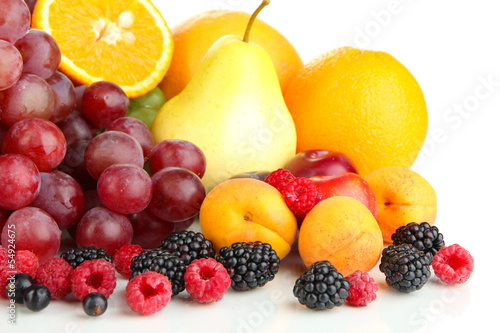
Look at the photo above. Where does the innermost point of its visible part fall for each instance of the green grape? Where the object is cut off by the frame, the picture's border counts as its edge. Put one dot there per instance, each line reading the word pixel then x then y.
pixel 144 114
pixel 153 99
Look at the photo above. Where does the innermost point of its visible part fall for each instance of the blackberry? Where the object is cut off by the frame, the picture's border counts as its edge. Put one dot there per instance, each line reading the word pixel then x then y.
pixel 76 256
pixel 250 265
pixel 188 245
pixel 163 262
pixel 406 268
pixel 321 287
pixel 424 237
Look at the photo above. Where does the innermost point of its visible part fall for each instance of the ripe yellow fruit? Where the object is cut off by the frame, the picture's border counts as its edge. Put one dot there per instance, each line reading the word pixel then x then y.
pixel 248 210
pixel 193 38
pixel 343 231
pixel 364 104
pixel 126 42
pixel 403 196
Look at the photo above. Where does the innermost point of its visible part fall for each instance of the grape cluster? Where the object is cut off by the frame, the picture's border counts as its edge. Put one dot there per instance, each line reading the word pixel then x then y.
pixel 83 158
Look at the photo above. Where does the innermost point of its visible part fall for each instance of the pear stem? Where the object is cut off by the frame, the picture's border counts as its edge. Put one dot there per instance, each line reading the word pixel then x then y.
pixel 252 19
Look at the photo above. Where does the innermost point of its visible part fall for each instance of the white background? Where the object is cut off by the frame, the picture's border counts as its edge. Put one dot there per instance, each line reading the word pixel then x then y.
pixel 453 50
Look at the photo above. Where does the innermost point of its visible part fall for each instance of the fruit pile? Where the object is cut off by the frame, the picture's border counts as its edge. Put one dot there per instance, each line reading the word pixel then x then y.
pixel 102 155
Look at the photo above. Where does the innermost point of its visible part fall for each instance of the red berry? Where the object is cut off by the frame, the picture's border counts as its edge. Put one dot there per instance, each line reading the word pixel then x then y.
pixel 148 292
pixel 123 259
pixel 206 280
pixel 55 274
pixel 300 196
pixel 362 288
pixel 26 262
pixel 4 255
pixel 453 264
pixel 280 179
pixel 92 276
pixel 6 272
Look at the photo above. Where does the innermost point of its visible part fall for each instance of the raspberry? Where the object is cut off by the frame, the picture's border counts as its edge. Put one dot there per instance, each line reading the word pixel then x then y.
pixel 4 255
pixel 26 262
pixel 55 274
pixel 123 259
pixel 300 196
pixel 6 272
pixel 97 275
pixel 206 280
pixel 453 264
pixel 362 288
pixel 148 292
pixel 279 179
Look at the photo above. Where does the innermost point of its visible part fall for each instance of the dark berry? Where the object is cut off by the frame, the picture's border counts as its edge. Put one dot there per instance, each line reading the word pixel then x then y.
pixel 82 253
pixel 188 245
pixel 250 265
pixel 37 297
pixel 16 290
pixel 406 268
pixel 163 262
pixel 321 287
pixel 424 237
pixel 95 304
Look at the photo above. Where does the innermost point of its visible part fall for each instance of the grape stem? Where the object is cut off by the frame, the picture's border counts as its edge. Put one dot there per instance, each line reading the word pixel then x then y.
pixel 252 19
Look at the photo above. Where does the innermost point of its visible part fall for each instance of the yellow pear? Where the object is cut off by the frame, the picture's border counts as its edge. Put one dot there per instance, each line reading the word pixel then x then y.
pixel 233 110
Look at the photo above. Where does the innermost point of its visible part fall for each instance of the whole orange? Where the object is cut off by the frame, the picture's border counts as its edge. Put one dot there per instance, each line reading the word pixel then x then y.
pixel 194 36
pixel 364 104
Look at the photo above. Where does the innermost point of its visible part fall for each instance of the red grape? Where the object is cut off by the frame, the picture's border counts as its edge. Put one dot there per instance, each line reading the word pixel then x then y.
pixel 92 200
pixel 3 130
pixel 79 90
pixel 177 153
pixel 76 128
pixel 177 194
pixel 64 97
pixel 103 228
pixel 61 197
pixel 135 128
pixel 74 165
pixel 31 228
pixel 110 148
pixel 19 181
pixel 149 230
pixel 11 65
pixel 103 102
pixel 183 225
pixel 15 20
pixel 41 55
pixel 30 97
pixel 40 140
pixel 125 188
pixel 4 215
pixel 31 4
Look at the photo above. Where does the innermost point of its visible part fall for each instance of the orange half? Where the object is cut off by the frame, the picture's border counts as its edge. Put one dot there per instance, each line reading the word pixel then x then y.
pixel 126 42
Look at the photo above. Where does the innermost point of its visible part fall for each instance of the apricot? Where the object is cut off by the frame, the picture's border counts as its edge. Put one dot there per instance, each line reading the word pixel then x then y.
pixel 343 231
pixel 248 210
pixel 403 196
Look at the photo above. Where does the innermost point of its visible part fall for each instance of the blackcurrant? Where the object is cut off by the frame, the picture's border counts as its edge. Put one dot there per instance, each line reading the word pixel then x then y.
pixel 95 304
pixel 17 286
pixel 37 297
